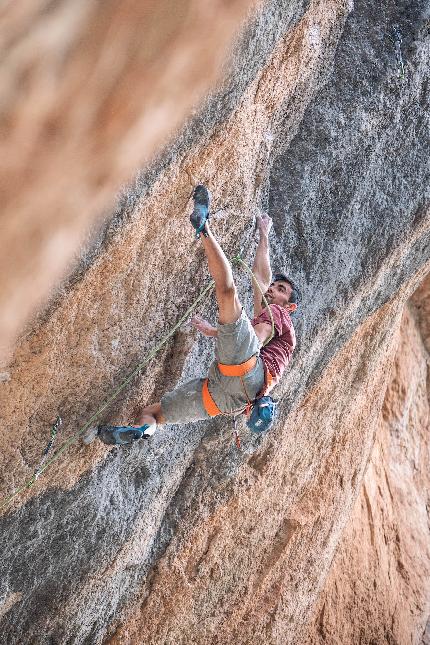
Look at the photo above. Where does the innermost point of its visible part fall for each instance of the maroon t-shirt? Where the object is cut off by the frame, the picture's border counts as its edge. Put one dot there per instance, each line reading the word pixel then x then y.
pixel 277 354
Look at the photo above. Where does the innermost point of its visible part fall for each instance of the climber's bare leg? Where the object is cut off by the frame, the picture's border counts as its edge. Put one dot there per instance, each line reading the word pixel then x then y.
pixel 229 305
pixel 151 414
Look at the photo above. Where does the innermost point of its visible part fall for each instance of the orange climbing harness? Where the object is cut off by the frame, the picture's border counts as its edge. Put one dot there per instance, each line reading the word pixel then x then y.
pixel 237 370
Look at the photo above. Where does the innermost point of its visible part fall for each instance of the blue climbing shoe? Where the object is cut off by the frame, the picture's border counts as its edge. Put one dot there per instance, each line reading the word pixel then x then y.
pixel 123 435
pixel 200 214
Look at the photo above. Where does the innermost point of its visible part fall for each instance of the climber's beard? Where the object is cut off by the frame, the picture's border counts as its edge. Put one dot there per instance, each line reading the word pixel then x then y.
pixel 268 298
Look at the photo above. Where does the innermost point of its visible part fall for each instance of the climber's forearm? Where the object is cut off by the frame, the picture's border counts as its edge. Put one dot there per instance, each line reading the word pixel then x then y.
pixel 261 267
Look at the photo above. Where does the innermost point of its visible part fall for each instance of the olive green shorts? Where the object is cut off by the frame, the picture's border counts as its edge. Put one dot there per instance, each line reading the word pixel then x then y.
pixel 236 343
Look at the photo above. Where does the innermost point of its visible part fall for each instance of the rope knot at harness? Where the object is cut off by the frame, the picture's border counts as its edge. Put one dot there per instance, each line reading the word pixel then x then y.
pixel 55 426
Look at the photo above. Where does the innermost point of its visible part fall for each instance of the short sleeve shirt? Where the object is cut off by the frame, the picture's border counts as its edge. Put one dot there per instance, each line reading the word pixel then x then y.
pixel 277 353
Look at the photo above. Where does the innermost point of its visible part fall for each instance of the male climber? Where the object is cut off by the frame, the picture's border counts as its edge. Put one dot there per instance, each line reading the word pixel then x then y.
pixel 245 367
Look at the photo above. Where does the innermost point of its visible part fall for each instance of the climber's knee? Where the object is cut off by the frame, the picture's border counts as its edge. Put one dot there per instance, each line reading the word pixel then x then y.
pixel 149 413
pixel 184 403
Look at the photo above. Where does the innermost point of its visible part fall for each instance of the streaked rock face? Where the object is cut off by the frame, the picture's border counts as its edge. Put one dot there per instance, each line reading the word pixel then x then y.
pixel 90 90
pixel 378 588
pixel 187 539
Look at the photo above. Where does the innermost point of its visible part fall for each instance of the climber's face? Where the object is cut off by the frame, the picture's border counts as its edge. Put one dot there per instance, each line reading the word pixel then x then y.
pixel 279 293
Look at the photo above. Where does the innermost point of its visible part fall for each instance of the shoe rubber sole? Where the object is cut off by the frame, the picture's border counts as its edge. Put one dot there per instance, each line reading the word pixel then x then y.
pixel 89 435
pixel 200 214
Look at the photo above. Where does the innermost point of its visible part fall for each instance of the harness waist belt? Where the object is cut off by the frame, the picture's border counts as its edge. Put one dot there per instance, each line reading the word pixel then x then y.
pixel 238 370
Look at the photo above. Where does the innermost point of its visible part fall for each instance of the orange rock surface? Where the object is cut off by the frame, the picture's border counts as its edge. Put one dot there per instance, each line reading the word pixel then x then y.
pixel 378 587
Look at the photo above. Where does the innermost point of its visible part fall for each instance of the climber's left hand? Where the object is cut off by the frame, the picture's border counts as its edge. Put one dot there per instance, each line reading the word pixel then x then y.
pixel 203 326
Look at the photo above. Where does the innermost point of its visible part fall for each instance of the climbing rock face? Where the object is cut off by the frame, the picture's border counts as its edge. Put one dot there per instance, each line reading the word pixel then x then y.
pixel 378 588
pixel 89 91
pixel 323 120
pixel 421 308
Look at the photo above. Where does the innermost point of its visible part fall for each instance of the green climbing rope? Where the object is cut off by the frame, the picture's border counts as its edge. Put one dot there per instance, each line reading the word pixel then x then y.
pixel 71 440
pixel 113 396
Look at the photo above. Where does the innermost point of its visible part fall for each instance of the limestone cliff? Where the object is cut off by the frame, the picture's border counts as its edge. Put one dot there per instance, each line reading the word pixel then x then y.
pixel 378 588
pixel 188 539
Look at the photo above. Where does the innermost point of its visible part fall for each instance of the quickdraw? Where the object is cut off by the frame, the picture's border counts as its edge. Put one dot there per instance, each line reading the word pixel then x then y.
pixel 236 433
pixel 55 426
pixel 396 39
